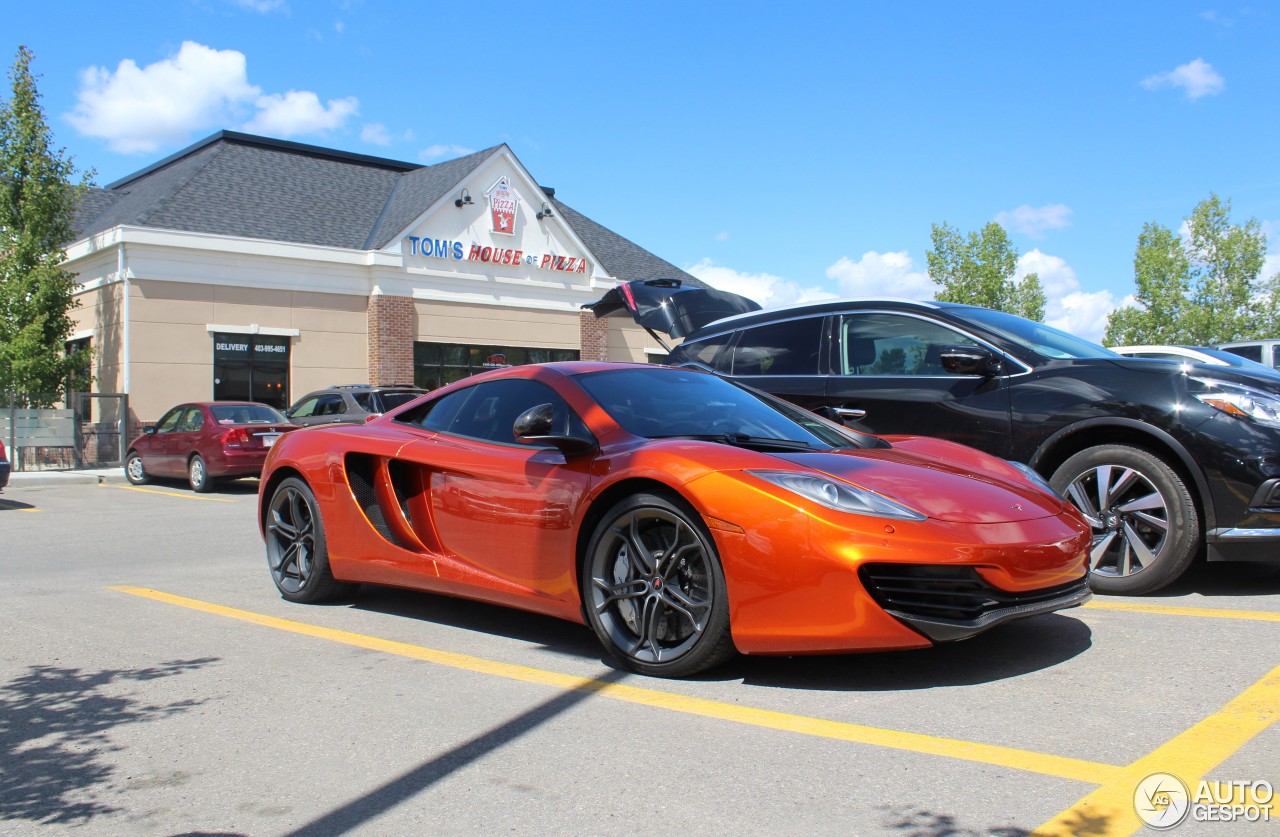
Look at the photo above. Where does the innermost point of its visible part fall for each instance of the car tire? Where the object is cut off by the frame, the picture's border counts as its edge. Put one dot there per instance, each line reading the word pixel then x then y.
pixel 134 471
pixel 297 553
pixel 1146 529
pixel 198 474
pixel 653 588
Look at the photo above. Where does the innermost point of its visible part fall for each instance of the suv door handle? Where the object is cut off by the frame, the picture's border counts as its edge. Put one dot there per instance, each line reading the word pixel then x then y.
pixel 850 413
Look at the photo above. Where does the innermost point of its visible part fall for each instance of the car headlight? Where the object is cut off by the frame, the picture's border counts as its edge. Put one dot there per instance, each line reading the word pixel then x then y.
pixel 1241 401
pixel 837 495
pixel 1033 477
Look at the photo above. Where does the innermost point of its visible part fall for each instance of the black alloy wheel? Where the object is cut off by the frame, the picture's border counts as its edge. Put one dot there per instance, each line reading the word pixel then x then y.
pixel 653 588
pixel 296 551
pixel 1146 529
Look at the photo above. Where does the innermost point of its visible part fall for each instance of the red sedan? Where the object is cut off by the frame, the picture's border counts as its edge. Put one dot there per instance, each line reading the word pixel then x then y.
pixel 205 441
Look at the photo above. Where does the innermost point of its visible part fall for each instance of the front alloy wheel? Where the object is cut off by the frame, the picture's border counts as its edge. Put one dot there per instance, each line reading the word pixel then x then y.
pixel 1145 526
pixel 654 591
pixel 134 470
pixel 296 550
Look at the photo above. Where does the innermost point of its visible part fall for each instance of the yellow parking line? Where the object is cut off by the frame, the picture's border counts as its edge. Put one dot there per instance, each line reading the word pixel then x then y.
pixel 1172 610
pixel 1050 765
pixel 187 495
pixel 1109 810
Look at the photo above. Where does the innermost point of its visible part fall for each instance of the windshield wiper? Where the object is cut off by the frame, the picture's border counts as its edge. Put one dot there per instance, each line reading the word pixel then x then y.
pixel 742 440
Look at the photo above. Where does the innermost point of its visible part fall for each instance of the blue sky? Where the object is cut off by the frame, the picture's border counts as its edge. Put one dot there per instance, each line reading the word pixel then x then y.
pixel 787 151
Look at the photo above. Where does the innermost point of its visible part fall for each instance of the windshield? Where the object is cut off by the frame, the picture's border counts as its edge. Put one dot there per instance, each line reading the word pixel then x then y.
pixel 246 414
pixel 662 402
pixel 1038 337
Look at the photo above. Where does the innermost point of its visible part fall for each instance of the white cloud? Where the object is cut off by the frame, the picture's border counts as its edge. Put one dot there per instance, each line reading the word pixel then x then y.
pixel 142 109
pixel 1066 306
pixel 882 274
pixel 722 236
pixel 765 288
pixel 300 112
pixel 375 134
pixel 1197 78
pixel 139 110
pixel 1034 222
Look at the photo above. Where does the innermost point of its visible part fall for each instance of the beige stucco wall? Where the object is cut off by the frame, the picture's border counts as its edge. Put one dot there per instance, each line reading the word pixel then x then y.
pixel 448 322
pixel 171 347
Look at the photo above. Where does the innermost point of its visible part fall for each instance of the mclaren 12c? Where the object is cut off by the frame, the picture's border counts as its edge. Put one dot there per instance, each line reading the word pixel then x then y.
pixel 682 517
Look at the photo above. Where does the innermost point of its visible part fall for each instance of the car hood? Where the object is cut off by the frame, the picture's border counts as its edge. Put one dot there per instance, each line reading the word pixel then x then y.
pixel 937 489
pixel 670 307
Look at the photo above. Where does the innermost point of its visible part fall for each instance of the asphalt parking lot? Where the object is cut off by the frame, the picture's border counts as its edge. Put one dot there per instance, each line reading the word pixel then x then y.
pixel 153 682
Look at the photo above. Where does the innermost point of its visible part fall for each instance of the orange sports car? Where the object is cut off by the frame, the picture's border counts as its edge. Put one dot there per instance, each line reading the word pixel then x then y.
pixel 682 517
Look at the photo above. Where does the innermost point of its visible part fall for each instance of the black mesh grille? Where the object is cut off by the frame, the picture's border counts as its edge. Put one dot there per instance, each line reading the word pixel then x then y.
pixel 944 593
pixel 360 471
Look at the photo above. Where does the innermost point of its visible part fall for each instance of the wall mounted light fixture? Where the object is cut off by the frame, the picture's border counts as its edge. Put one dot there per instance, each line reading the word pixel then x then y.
pixel 464 199
pixel 545 211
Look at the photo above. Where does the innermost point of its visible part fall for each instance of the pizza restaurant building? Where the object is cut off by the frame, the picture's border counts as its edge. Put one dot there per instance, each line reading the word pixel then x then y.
pixel 251 268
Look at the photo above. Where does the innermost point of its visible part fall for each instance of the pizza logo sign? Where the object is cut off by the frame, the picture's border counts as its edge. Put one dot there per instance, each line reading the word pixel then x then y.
pixel 503 203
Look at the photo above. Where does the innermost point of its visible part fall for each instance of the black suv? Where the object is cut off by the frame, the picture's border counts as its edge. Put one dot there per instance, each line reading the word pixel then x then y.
pixel 349 403
pixel 1163 458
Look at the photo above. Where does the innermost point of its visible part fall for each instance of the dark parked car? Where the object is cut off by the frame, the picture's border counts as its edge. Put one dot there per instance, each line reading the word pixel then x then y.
pixel 206 441
pixel 1164 459
pixel 4 466
pixel 349 403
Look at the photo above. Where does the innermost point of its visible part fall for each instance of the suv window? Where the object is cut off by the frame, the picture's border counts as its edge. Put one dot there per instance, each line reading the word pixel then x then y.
pixel 786 348
pixel 331 405
pixel 707 352
pixel 892 344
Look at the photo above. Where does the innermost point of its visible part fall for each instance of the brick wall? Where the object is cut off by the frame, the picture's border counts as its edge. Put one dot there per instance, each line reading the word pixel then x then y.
pixel 392 329
pixel 594 336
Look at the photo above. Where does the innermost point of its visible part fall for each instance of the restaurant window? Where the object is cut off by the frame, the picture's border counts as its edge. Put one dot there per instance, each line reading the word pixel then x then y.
pixel 437 364
pixel 251 367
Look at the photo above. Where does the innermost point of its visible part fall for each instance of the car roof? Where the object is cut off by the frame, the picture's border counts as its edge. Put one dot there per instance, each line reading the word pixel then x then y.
pixel 823 307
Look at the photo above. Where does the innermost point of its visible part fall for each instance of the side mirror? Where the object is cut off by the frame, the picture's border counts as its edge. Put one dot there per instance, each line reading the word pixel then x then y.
pixel 971 360
pixel 829 414
pixel 536 426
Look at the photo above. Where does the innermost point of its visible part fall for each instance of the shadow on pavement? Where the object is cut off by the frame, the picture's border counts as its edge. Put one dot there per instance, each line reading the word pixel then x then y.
pixel 1006 651
pixel 54 737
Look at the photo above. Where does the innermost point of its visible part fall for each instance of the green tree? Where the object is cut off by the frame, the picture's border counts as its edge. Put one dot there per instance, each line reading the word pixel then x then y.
pixel 1199 288
pixel 979 270
pixel 37 210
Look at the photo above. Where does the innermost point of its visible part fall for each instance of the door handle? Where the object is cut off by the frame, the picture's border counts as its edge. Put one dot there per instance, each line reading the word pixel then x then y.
pixel 850 413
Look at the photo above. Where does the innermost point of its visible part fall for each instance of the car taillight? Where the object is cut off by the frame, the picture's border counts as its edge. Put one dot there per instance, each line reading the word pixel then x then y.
pixel 234 437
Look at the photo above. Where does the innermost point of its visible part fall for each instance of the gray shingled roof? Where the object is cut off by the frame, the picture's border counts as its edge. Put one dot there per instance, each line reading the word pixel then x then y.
pixel 252 187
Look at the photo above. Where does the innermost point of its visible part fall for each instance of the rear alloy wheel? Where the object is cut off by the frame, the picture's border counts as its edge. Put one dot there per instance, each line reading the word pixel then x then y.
pixel 296 551
pixel 133 470
pixel 1145 526
pixel 198 474
pixel 654 590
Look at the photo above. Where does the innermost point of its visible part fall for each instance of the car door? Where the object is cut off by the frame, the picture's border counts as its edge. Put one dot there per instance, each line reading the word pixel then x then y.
pixel 304 412
pixel 156 448
pixel 887 378
pixel 786 358
pixel 499 506
pixel 184 439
